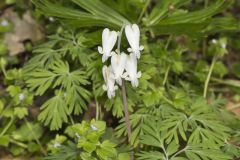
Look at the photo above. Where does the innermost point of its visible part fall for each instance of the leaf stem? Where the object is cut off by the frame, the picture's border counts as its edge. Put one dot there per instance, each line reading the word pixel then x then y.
pixel 166 76
pixel 165 152
pixel 18 143
pixel 7 127
pixel 209 76
pixel 182 150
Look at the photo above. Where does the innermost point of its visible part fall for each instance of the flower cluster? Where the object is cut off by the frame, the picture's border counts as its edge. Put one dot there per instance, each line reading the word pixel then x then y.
pixel 122 66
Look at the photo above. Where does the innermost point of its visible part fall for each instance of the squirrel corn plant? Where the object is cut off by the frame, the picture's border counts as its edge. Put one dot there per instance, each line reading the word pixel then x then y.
pixel 172 116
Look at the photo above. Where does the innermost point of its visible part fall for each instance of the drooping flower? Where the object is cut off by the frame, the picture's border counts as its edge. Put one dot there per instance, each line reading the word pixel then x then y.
pixel 118 62
pixel 131 68
pixel 133 36
pixel 109 39
pixel 109 79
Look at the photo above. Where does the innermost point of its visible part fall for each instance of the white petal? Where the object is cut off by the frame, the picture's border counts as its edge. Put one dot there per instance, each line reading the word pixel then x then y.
pixel 130 36
pixel 105 73
pixel 139 74
pixel 135 82
pixel 105 36
pixel 136 31
pixel 100 50
pixel 113 39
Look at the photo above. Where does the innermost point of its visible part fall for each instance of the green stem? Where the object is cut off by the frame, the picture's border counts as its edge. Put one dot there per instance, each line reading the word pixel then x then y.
pixel 167 100
pixel 166 76
pixel 143 10
pixel 165 152
pixel 168 68
pixel 182 150
pixel 168 42
pixel 71 119
pixel 97 109
pixel 35 137
pixel 7 127
pixel 209 77
pixel 18 143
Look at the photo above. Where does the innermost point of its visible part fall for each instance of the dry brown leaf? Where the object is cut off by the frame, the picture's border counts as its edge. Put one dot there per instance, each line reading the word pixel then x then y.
pixel 24 29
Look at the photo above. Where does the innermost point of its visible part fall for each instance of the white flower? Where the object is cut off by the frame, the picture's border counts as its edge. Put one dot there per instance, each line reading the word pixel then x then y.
pixel 109 79
pixel 133 36
pixel 131 68
pixel 118 62
pixel 21 96
pixel 56 145
pixel 77 135
pixel 51 19
pixel 214 41
pixel 223 45
pixel 94 127
pixel 109 38
pixel 4 23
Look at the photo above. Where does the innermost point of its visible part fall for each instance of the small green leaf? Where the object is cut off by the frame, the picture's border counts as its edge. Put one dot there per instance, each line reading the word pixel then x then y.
pixel 4 140
pixel 20 112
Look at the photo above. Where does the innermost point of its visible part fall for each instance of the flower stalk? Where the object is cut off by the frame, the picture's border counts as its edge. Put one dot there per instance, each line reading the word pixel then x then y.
pixel 209 77
pixel 124 93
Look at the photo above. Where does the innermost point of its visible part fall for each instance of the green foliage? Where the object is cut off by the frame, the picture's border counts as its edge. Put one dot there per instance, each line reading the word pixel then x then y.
pixel 90 144
pixel 170 119
pixel 98 14
pixel 47 71
pixel 172 20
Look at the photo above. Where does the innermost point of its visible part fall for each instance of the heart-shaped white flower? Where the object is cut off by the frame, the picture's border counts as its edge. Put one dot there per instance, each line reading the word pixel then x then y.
pixel 109 79
pixel 109 39
pixel 118 62
pixel 133 36
pixel 131 68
